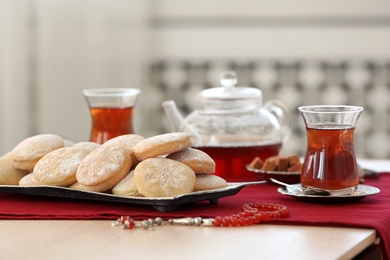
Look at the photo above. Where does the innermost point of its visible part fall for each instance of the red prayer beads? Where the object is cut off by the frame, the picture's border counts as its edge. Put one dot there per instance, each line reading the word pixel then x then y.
pixel 251 213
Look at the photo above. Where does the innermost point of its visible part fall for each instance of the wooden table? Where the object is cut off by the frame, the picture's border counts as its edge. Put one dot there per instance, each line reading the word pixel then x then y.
pixel 87 239
pixel 36 239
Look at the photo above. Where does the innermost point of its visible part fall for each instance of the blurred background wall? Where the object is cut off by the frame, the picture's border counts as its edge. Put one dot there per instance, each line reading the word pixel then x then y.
pixel 301 52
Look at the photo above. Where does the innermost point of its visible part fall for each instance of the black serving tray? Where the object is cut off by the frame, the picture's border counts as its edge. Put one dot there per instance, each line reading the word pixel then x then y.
pixel 162 204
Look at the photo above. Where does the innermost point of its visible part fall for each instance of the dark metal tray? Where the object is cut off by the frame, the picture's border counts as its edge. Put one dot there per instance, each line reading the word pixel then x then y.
pixel 163 204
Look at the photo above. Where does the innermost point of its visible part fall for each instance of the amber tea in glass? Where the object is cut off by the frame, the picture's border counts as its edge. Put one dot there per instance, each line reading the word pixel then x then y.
pixel 330 161
pixel 111 112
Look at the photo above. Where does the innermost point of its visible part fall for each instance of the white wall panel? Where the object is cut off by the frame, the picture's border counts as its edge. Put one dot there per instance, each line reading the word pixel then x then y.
pixel 15 106
pixel 244 43
pixel 270 8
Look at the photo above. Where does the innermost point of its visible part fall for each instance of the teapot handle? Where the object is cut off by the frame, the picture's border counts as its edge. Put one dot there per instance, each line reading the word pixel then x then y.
pixel 282 114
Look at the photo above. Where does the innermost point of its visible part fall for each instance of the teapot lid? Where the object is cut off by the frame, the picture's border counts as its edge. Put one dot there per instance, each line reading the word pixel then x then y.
pixel 229 91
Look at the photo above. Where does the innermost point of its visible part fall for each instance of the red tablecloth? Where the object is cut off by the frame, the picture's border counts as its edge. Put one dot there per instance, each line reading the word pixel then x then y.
pixel 370 212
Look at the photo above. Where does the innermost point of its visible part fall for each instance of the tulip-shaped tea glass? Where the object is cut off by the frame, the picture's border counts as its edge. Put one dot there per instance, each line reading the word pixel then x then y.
pixel 111 112
pixel 330 161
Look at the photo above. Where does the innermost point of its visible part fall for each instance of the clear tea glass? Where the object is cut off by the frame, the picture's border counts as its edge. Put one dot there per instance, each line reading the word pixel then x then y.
pixel 330 161
pixel 111 112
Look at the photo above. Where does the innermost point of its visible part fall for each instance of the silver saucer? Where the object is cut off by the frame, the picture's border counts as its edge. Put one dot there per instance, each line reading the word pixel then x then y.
pixel 360 192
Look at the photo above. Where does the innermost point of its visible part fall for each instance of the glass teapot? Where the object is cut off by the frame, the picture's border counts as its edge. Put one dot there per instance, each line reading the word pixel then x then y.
pixel 233 126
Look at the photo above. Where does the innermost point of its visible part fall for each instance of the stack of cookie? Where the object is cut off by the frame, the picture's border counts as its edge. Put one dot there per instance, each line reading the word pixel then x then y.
pixel 129 165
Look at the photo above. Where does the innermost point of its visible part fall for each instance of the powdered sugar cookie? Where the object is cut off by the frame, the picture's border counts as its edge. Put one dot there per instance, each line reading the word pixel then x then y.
pixel 28 152
pixel 127 187
pixel 58 168
pixel 80 187
pixel 87 146
pixel 9 175
pixel 197 160
pixel 104 167
pixel 28 180
pixel 161 145
pixel 161 177
pixel 128 142
pixel 205 181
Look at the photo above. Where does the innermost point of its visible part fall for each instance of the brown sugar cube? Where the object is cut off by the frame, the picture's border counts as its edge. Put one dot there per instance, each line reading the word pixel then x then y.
pixel 257 163
pixel 284 163
pixel 294 159
pixel 274 158
pixel 269 165
pixel 295 168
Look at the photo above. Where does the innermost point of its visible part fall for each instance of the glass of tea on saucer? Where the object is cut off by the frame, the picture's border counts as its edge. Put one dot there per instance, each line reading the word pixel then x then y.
pixel 111 112
pixel 330 161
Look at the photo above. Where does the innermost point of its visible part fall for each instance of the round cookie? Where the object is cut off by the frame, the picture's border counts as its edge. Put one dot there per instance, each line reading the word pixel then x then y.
pixel 127 187
pixel 87 146
pixel 9 175
pixel 161 177
pixel 197 160
pixel 80 187
pixel 205 181
pixel 58 168
pixel 128 142
pixel 104 167
pixel 162 145
pixel 28 152
pixel 28 180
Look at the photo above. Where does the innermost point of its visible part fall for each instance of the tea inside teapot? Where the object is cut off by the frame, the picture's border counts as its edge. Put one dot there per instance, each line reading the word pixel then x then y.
pixel 231 158
pixel 233 127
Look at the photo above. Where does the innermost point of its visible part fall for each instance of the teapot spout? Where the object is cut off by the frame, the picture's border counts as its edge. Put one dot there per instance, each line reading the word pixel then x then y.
pixel 173 115
pixel 177 122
